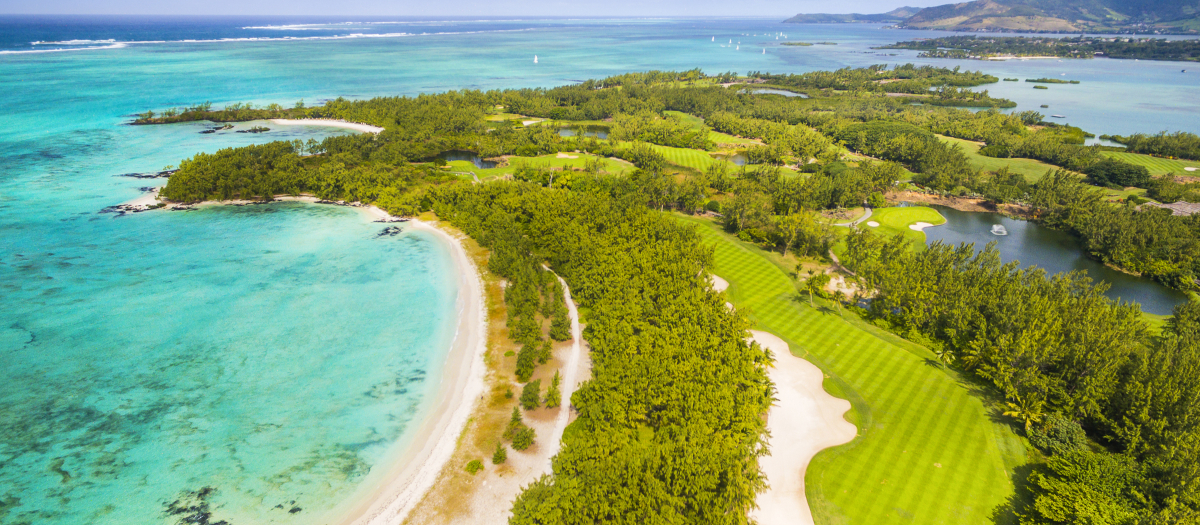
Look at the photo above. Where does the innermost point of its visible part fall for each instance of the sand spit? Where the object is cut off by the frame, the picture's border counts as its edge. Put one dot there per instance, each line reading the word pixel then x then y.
pixel 804 420
pixel 365 128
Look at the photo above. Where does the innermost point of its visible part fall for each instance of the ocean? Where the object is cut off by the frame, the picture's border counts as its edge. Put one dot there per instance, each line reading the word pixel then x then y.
pixel 280 353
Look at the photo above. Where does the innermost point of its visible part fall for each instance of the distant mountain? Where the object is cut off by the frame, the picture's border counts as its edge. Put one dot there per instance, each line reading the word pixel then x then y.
pixel 891 17
pixel 1071 16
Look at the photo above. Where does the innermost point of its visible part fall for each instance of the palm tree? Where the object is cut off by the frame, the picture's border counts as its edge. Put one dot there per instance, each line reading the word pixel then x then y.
pixel 945 355
pixel 840 297
pixel 1025 409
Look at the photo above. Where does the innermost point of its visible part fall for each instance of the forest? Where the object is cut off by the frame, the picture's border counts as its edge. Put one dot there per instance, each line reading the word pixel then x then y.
pixel 1069 47
pixel 678 443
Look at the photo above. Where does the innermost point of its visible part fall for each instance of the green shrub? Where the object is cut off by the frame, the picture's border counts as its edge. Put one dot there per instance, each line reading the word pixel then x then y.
pixel 523 439
pixel 500 455
pixel 474 466
pixel 1111 171
pixel 1058 435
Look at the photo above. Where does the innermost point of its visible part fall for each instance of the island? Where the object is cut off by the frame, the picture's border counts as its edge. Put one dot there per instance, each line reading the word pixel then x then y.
pixel 942 366
pixel 996 47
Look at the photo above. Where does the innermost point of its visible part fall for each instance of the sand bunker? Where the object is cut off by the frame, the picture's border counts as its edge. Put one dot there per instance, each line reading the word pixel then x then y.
pixel 873 224
pixel 919 226
pixel 804 420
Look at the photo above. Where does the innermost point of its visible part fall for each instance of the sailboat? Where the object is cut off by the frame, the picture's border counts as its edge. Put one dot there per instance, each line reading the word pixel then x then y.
pixel 739 48
pixel 534 59
pixel 764 50
pixel 714 39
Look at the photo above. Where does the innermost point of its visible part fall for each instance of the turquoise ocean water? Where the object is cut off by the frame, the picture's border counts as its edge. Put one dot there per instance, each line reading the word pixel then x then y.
pixel 280 353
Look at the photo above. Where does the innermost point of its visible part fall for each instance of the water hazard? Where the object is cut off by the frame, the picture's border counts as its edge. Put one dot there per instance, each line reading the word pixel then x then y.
pixel 1055 251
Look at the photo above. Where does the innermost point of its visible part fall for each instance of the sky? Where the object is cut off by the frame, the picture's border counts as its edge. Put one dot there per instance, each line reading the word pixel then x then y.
pixel 735 8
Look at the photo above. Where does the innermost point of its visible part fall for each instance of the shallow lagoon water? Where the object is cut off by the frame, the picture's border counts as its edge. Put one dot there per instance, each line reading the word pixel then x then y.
pixel 1051 250
pixel 275 352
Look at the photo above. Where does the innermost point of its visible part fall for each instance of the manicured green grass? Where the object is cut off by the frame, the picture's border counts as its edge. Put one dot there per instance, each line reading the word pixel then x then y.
pixel 1156 165
pixel 610 165
pixel 928 451
pixel 897 220
pixel 1033 170
pixel 721 138
pixel 689 158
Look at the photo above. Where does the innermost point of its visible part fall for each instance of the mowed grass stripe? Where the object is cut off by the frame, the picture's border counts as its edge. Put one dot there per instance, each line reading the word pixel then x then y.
pixel 912 414
pixel 1157 166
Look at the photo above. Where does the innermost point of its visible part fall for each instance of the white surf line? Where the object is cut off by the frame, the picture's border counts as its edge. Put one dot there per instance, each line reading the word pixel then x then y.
pixel 331 123
pixel 571 366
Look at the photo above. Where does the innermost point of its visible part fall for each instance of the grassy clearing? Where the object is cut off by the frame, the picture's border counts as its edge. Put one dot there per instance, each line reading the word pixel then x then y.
pixel 1032 170
pixel 1157 166
pixel 927 451
pixel 898 219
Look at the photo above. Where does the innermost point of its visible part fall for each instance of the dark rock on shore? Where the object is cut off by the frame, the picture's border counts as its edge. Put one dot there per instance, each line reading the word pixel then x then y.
pixel 390 231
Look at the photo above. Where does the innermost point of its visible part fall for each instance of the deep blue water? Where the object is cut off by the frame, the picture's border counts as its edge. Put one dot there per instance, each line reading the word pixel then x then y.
pixel 281 352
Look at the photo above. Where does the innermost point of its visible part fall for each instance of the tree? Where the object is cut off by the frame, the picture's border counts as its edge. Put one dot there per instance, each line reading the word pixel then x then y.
pixel 944 354
pixel 500 455
pixel 553 394
pixel 531 395
pixel 1025 409
pixel 815 284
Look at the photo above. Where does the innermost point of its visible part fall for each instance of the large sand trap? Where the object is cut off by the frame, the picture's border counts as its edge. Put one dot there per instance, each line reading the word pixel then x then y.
pixel 328 123
pixel 873 224
pixel 919 226
pixel 804 420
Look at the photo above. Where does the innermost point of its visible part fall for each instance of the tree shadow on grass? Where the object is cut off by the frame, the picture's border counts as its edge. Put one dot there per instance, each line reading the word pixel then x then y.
pixel 1008 513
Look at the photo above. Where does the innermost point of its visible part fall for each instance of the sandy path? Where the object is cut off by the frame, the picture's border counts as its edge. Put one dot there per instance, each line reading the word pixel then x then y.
pixel 327 123
pixel 490 502
pixel 570 376
pixel 415 471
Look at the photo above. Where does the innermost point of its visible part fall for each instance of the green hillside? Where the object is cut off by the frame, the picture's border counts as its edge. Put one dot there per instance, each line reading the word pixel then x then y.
pixel 1124 16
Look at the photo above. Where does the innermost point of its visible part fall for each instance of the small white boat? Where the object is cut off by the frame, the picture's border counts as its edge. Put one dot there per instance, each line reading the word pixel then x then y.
pixel 738 48
pixel 1058 116
pixel 714 39
pixel 534 59
pixel 764 50
pixel 999 229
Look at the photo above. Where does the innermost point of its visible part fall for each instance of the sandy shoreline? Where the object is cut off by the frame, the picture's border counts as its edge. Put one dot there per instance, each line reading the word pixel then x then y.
pixel 327 123
pixel 413 473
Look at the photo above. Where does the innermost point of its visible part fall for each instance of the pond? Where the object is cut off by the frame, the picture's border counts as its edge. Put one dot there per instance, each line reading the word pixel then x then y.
pixel 469 156
pixel 737 158
pixel 1052 250
pixel 769 91
pixel 599 132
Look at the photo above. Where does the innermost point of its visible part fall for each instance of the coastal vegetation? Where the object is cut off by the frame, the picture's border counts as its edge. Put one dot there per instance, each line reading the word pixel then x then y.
pixel 656 329
pixel 976 46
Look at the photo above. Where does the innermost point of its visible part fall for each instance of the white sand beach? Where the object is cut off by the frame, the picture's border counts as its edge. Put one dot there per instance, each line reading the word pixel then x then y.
pixel 804 420
pixel 328 123
pixel 493 490
pixel 415 471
